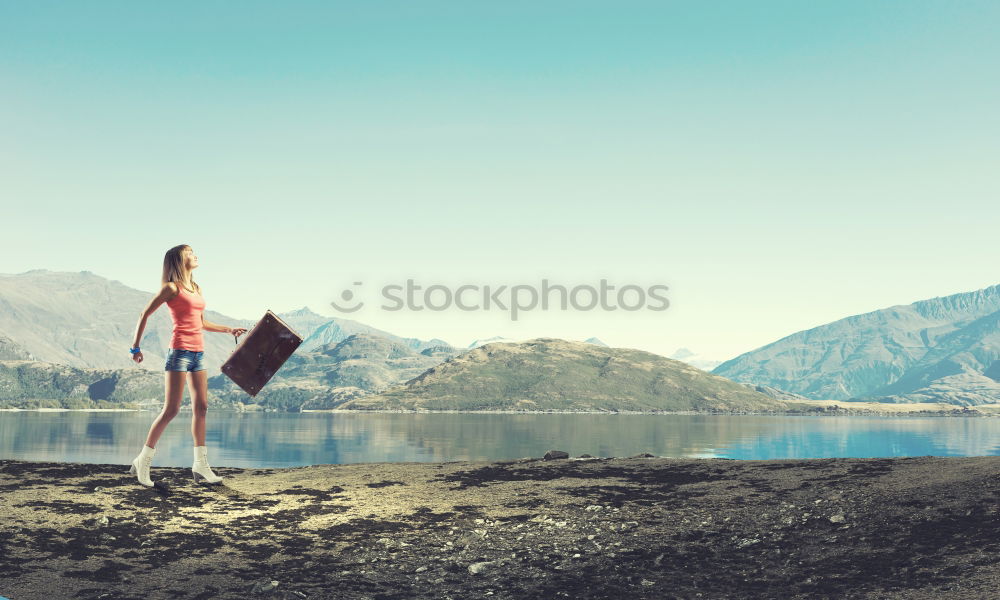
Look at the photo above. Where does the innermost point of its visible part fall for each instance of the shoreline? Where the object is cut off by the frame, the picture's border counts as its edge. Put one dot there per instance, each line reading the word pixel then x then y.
pixel 845 410
pixel 892 528
pixel 70 409
pixel 822 408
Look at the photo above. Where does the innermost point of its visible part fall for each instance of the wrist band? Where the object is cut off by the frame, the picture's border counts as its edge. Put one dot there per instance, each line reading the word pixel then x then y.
pixel 134 350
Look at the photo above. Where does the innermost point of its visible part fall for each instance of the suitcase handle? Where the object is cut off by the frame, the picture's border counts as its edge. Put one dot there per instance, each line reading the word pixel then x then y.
pixel 236 338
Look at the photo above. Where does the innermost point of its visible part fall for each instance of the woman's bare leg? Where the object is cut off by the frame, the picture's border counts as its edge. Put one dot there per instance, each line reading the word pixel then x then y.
pixel 198 387
pixel 174 394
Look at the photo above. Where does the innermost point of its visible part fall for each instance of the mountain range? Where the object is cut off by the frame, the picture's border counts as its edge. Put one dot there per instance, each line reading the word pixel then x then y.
pixel 944 349
pixel 74 328
pixel 694 359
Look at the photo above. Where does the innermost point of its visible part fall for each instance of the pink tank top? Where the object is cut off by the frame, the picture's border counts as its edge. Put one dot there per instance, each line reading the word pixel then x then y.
pixel 185 310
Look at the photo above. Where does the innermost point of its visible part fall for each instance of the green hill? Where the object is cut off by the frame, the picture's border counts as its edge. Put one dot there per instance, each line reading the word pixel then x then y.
pixel 560 375
pixel 37 384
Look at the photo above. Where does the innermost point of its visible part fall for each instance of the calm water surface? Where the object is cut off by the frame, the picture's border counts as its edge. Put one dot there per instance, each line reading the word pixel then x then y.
pixel 273 440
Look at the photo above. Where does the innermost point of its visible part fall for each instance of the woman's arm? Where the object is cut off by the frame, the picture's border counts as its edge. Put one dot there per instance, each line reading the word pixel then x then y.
pixel 210 326
pixel 166 292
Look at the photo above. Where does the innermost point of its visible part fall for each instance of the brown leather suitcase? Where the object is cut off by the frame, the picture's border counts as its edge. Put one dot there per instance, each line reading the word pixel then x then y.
pixel 261 353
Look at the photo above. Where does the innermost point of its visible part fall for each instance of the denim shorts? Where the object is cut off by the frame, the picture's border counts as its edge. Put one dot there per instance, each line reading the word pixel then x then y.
pixel 179 359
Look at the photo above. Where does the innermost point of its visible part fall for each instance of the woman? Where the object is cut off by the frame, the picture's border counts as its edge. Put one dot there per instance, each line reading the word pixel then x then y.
pixel 183 297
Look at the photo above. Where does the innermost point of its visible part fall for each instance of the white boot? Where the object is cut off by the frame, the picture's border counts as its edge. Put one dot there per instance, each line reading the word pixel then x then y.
pixel 200 468
pixel 141 465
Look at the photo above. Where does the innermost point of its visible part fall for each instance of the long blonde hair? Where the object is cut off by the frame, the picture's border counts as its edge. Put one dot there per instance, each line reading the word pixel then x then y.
pixel 173 267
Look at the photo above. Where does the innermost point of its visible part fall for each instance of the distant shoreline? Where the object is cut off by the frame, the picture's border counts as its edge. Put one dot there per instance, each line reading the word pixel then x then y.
pixel 70 409
pixel 819 408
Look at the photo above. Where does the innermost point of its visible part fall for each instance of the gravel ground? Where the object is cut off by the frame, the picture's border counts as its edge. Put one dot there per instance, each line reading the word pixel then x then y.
pixel 638 527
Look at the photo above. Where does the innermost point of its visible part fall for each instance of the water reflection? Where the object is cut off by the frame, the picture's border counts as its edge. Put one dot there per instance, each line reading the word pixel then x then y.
pixel 283 440
pixel 811 437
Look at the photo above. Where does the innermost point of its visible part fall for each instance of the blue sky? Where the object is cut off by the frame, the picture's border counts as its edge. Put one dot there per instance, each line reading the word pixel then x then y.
pixel 778 164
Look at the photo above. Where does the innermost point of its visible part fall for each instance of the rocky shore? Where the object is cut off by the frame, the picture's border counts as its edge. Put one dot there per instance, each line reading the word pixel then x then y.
pixel 639 527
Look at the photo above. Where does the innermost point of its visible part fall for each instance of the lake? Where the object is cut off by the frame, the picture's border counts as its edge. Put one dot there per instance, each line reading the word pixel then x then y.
pixel 272 440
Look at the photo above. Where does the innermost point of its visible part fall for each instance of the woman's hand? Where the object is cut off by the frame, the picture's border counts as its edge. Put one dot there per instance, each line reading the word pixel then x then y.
pixel 137 357
pixel 237 331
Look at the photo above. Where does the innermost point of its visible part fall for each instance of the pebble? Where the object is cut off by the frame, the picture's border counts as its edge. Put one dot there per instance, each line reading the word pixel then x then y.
pixel 479 567
pixel 263 586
